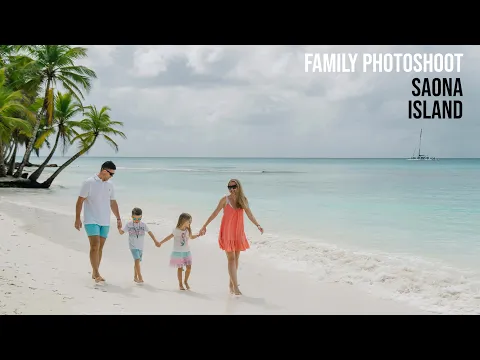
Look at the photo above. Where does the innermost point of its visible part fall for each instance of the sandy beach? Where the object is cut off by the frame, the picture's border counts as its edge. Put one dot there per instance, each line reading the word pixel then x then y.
pixel 46 270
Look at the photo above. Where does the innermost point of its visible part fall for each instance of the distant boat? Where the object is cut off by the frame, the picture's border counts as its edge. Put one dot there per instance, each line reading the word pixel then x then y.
pixel 421 157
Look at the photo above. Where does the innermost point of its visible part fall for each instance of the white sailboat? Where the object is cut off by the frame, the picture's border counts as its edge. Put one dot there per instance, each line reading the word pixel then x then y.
pixel 421 156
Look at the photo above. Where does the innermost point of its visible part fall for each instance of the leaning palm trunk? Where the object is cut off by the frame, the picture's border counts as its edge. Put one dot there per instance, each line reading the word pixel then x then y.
pixel 11 164
pixel 31 141
pixel 52 177
pixel 9 152
pixel 28 150
pixel 2 161
pixel 36 174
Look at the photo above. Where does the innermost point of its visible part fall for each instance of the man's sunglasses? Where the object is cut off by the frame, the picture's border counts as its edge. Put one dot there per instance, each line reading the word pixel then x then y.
pixel 231 187
pixel 111 174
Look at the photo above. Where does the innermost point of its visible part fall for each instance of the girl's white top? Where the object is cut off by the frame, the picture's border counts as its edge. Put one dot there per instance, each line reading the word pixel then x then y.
pixel 180 240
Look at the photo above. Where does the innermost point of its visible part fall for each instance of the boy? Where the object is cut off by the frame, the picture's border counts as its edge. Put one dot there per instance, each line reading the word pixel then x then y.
pixel 136 230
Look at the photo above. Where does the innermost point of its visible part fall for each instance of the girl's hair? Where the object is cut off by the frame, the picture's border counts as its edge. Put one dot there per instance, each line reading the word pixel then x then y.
pixel 181 220
pixel 241 200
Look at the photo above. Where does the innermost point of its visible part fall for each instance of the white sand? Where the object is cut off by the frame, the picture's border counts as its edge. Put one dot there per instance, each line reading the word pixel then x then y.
pixel 45 269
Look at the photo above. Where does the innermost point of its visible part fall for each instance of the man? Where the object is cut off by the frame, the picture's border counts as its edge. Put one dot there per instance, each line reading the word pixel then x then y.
pixel 97 195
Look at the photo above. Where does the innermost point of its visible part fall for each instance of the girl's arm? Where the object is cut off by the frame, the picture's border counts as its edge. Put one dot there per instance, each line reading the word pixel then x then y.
pixel 220 206
pixel 166 239
pixel 153 238
pixel 252 219
pixel 194 236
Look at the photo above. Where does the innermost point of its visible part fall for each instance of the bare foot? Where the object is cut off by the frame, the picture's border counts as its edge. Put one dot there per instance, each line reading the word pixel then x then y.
pixel 99 279
pixel 186 285
pixel 181 287
pixel 237 291
pixel 138 281
pixel 231 287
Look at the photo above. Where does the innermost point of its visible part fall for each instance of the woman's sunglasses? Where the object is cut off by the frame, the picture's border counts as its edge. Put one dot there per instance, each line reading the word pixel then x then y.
pixel 231 187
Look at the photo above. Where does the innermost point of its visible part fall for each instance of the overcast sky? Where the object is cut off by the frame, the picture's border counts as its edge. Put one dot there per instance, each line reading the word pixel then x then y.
pixel 258 101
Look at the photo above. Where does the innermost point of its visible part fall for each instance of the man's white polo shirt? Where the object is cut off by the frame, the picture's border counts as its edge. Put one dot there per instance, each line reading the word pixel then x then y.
pixel 98 194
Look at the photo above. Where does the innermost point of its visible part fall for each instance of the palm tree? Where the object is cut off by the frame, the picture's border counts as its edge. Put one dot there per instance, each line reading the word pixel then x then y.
pixel 54 63
pixel 65 108
pixel 21 137
pixel 96 124
pixel 10 105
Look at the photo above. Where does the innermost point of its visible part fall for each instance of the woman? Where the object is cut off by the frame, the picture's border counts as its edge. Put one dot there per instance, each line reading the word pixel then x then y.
pixel 232 238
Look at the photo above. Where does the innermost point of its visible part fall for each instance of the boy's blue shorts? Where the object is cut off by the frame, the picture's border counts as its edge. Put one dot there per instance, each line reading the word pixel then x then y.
pixel 137 254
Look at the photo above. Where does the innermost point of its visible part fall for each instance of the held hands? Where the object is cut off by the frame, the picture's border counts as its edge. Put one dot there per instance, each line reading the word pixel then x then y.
pixel 158 243
pixel 203 231
pixel 119 224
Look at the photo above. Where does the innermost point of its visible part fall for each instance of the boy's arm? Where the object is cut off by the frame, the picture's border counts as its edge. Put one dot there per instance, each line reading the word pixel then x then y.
pixel 153 237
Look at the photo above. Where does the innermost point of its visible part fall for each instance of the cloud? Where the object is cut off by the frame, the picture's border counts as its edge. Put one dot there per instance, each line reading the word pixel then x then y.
pixel 245 100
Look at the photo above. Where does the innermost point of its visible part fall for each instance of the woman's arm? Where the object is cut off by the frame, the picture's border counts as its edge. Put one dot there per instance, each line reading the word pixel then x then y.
pixel 253 220
pixel 220 206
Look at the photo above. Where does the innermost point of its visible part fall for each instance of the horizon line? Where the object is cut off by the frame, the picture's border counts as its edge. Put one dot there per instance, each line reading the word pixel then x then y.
pixel 254 157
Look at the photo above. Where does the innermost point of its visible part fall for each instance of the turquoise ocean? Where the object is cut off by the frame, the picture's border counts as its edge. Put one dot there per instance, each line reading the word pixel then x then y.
pixel 401 229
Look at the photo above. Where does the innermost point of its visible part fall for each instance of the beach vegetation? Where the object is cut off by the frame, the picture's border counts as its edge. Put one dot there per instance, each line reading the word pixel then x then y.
pixel 42 90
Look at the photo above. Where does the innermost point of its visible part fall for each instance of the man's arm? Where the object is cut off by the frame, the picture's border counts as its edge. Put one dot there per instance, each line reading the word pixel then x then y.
pixel 114 207
pixel 78 212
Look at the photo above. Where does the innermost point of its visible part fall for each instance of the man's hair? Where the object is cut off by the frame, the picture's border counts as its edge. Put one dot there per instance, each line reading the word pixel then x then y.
pixel 137 211
pixel 108 165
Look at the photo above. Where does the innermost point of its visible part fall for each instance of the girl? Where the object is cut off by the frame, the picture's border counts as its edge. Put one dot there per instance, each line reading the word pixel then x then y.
pixel 181 255
pixel 232 238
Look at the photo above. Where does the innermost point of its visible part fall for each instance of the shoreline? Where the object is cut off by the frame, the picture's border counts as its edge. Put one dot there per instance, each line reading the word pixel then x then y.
pixel 50 254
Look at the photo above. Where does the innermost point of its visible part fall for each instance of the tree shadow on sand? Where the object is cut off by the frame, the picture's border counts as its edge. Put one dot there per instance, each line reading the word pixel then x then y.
pixel 234 303
pixel 195 294
pixel 152 288
pixel 112 288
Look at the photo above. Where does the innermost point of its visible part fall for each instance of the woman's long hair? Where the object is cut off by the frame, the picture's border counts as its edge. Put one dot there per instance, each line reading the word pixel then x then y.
pixel 181 220
pixel 241 201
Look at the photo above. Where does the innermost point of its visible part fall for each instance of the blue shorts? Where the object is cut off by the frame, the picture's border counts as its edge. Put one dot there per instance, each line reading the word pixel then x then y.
pixel 97 230
pixel 137 254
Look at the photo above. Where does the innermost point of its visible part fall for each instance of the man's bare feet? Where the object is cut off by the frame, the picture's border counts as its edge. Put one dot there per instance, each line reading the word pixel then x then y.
pixel 99 279
pixel 186 285
pixel 138 281
pixel 181 286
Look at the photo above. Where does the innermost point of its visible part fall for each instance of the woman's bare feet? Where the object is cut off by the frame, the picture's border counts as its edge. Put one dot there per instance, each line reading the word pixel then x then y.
pixel 230 285
pixel 186 285
pixel 138 281
pixel 237 291
pixel 181 286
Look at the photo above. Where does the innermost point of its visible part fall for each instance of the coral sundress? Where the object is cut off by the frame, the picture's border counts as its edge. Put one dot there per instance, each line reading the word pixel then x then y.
pixel 232 232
